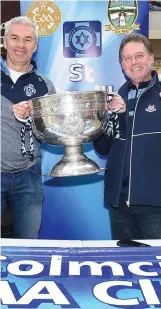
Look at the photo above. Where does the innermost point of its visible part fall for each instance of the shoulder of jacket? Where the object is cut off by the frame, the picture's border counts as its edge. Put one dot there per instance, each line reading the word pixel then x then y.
pixel 46 79
pixel 48 82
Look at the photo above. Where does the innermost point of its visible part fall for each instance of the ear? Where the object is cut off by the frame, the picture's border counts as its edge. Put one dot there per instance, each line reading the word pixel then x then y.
pixel 35 47
pixel 122 65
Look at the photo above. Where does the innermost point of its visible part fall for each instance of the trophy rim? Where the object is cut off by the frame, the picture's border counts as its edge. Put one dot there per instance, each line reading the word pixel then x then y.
pixel 69 92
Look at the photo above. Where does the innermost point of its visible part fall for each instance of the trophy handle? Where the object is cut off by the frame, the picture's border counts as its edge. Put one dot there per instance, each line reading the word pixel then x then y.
pixel 114 94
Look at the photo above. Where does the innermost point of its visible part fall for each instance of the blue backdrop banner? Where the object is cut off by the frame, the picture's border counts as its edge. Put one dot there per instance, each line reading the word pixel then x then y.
pixel 78 50
pixel 80 277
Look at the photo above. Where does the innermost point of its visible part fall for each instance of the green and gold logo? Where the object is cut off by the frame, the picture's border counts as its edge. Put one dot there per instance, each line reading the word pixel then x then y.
pixel 46 15
pixel 122 16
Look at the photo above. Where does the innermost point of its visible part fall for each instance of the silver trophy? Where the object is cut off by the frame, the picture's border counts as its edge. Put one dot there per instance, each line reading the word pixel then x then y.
pixel 70 119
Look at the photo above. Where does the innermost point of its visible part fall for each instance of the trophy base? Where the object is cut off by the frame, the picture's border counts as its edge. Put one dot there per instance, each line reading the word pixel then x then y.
pixel 74 163
pixel 68 171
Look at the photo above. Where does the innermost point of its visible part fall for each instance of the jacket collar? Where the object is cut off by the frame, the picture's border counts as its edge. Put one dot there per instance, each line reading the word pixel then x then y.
pixel 5 69
pixel 127 86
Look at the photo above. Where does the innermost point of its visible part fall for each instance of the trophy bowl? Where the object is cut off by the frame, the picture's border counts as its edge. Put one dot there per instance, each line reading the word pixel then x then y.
pixel 70 119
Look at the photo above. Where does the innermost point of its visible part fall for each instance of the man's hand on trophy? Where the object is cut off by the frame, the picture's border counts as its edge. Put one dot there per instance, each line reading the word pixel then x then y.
pixel 23 109
pixel 31 109
pixel 110 121
pixel 117 104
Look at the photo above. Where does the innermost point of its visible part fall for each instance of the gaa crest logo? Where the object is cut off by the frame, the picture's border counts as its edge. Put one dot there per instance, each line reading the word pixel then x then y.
pixel 46 15
pixel 122 16
pixel 29 90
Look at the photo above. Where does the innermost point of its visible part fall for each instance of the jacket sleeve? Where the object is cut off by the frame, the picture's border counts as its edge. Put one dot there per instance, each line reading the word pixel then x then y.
pixel 103 144
pixel 50 86
pixel 104 139
pixel 122 124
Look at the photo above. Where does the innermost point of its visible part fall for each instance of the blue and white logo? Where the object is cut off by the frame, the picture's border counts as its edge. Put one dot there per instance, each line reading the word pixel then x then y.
pixel 82 39
pixel 150 108
pixel 29 90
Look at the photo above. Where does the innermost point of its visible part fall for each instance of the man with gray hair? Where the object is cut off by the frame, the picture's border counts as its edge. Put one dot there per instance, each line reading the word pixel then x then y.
pixel 21 178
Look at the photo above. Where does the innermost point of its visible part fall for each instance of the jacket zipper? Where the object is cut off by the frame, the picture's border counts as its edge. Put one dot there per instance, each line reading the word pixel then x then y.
pixel 122 172
pixel 121 175
pixel 128 200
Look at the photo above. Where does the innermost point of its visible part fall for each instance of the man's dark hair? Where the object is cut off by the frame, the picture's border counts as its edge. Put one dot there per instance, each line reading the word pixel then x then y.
pixel 135 37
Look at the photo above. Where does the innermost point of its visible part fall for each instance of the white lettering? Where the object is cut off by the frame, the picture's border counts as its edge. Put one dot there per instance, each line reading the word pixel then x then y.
pixel 42 18
pixel 77 71
pixel 55 266
pixel 33 268
pixel 6 294
pixel 3 257
pixel 95 268
pixel 81 72
pixel 159 258
pixel 135 269
pixel 54 293
pixel 89 74
pixel 100 291
pixel 149 292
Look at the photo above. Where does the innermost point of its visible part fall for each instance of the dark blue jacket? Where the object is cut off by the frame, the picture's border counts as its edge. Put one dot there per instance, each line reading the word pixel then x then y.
pixel 145 154
pixel 28 86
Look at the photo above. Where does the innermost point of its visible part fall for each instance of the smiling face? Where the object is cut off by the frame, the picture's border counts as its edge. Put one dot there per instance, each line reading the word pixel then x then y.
pixel 20 43
pixel 137 62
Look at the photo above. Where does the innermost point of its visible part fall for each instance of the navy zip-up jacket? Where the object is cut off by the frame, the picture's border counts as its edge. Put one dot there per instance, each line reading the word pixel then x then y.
pixel 28 86
pixel 145 150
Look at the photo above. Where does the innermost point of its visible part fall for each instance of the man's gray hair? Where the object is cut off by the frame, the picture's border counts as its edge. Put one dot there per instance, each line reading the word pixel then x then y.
pixel 22 20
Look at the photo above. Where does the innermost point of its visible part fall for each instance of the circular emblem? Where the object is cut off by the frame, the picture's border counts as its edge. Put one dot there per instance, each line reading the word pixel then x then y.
pixel 82 39
pixel 46 15
pixel 29 90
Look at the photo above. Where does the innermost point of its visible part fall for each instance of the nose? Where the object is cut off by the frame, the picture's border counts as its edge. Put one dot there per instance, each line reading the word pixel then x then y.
pixel 20 43
pixel 133 60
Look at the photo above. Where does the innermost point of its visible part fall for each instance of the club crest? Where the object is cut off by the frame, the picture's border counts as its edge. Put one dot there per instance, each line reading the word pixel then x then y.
pixel 29 90
pixel 46 15
pixel 122 16
pixel 150 108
